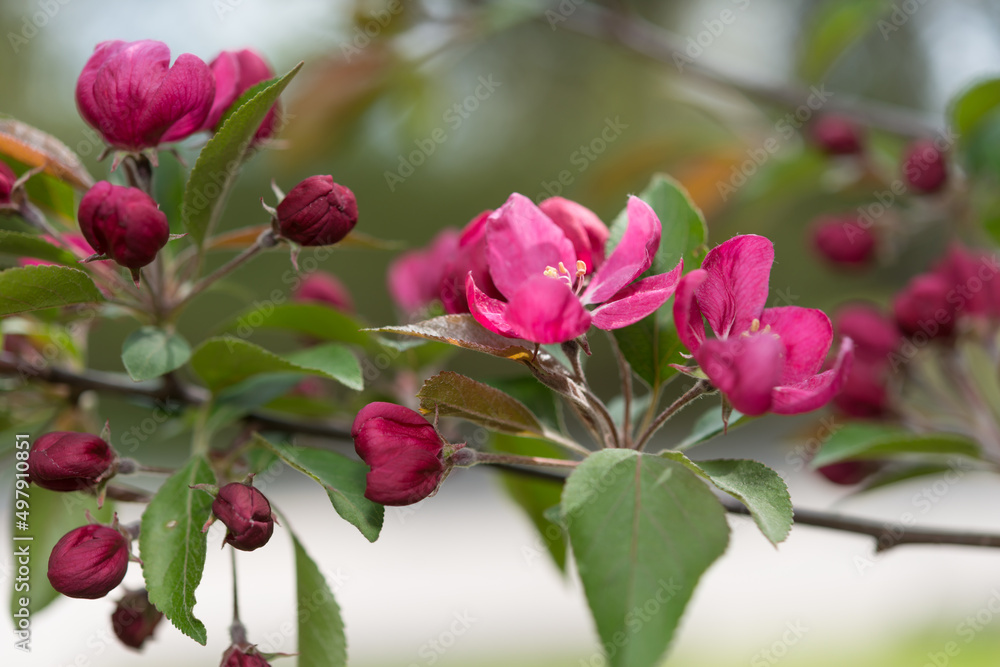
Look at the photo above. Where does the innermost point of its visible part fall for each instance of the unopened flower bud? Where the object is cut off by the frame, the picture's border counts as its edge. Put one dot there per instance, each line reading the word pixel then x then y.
pixel 844 241
pixel 837 135
pixel 243 656
pixel 69 461
pixel 317 212
pixel 325 288
pixel 135 619
pixel 247 516
pixel 925 167
pixel 129 92
pixel 848 473
pixel 7 180
pixel 923 307
pixel 89 561
pixel 123 223
pixel 408 458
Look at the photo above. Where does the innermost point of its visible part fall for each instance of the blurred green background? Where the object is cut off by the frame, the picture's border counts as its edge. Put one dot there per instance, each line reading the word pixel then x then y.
pixel 366 101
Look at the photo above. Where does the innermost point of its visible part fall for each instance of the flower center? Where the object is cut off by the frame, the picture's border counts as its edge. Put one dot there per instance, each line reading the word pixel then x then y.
pixel 575 283
pixel 755 328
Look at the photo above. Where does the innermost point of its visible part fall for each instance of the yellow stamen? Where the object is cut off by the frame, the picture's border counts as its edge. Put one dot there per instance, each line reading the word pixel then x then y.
pixel 550 272
pixel 755 325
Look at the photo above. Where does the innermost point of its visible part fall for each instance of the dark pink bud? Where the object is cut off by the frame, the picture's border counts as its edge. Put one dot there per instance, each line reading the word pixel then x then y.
pixel 865 393
pixel 135 619
pixel 68 461
pixel 235 72
pixel 848 473
pixel 972 273
pixel 131 95
pixel 844 241
pixel 7 179
pixel 581 226
pixel 875 335
pixel 247 515
pixel 327 289
pixel 408 458
pixel 123 223
pixel 317 212
pixel 88 562
pixel 924 167
pixel 923 307
pixel 837 135
pixel 243 656
pixel 470 256
pixel 416 278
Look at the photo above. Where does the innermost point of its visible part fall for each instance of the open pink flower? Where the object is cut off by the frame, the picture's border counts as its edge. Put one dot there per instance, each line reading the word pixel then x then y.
pixel 543 300
pixel 236 72
pixel 416 278
pixel 129 92
pixel 763 359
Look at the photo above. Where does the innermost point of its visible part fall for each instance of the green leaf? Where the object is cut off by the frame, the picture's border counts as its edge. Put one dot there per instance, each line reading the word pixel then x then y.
pixel 35 287
pixel 465 332
pixel 684 230
pixel 150 352
pixel 535 495
pixel 759 488
pixel 51 515
pixel 223 362
pixel 333 360
pixel 343 479
pixel 449 394
pixel 310 319
pixel 20 244
pixel 863 440
pixel 709 425
pixel 172 546
pixel 973 105
pixel 643 531
pixel 219 163
pixel 650 346
pixel 236 401
pixel 831 29
pixel 321 630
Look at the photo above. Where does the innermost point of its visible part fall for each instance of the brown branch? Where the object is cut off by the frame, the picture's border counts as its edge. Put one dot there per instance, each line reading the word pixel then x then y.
pixel 649 40
pixel 169 388
pixel 886 537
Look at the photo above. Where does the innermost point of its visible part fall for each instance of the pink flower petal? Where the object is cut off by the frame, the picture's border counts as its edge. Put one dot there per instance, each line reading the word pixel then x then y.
pixel 582 227
pixel 637 300
pixel 545 310
pixel 736 289
pixel 417 277
pixel 89 109
pixel 806 334
pixel 687 314
pixel 745 368
pixel 816 391
pixel 182 101
pixel 633 255
pixel 490 312
pixel 122 87
pixel 521 242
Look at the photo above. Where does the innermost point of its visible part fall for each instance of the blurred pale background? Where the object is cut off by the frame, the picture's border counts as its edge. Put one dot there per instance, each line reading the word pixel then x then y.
pixel 468 553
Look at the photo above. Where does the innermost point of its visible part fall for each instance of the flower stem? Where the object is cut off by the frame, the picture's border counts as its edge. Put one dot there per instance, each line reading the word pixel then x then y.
pixel 265 240
pixel 237 632
pixel 508 459
pixel 625 373
pixel 701 388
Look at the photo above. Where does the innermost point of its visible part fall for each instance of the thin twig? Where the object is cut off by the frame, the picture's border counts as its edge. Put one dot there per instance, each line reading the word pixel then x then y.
pixel 701 388
pixel 625 373
pixel 646 39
